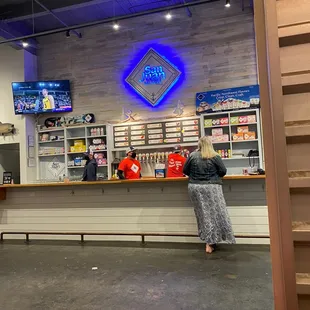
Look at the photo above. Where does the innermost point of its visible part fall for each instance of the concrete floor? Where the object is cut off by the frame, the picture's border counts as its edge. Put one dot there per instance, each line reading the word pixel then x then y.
pixel 44 276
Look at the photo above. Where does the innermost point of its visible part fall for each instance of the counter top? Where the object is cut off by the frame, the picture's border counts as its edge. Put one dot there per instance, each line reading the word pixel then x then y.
pixel 110 182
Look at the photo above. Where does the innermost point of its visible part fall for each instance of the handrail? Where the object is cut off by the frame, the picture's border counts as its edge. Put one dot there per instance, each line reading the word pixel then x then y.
pixel 142 234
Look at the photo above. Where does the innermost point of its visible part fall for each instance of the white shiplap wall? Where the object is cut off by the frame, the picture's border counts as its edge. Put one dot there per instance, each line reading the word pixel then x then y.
pixel 148 207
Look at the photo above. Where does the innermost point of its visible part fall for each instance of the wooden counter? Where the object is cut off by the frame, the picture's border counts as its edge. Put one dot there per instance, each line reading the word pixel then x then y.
pixel 110 182
pixel 156 206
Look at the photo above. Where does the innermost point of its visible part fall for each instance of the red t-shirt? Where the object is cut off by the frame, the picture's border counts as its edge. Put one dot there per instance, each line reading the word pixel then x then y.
pixel 131 168
pixel 175 165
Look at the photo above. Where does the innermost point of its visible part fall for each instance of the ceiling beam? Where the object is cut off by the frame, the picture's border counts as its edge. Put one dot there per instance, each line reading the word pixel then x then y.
pixel 78 34
pixel 9 33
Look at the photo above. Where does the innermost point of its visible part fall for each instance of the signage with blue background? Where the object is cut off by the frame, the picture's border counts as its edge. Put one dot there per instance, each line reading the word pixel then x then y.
pixel 229 99
pixel 153 77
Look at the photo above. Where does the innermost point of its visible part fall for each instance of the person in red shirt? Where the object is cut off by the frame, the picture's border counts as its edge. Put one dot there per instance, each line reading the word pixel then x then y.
pixel 129 168
pixel 175 163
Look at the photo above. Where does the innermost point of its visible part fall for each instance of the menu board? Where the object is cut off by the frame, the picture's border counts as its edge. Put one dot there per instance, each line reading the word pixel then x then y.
pixel 169 132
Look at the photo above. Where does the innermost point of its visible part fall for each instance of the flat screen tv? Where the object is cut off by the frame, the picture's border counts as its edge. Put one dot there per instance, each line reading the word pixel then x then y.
pixel 42 97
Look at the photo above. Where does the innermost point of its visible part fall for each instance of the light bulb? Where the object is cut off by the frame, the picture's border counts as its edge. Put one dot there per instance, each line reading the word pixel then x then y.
pixel 168 16
pixel 116 26
pixel 227 5
pixel 25 44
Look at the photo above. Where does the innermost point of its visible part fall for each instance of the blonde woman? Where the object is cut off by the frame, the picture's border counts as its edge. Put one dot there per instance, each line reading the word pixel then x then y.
pixel 205 169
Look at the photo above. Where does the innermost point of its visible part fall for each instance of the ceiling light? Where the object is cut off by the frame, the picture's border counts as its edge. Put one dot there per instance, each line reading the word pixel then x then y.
pixel 227 5
pixel 25 44
pixel 168 16
pixel 68 33
pixel 116 26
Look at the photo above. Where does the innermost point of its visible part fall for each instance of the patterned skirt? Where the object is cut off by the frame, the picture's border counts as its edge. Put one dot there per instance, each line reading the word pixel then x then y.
pixel 213 221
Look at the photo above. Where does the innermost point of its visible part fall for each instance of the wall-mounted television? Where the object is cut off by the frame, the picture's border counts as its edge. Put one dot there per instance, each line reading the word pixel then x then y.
pixel 42 97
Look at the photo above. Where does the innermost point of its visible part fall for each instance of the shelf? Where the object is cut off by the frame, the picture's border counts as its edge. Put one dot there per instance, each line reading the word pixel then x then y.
pixel 66 138
pixel 75 167
pixel 80 167
pixel 51 155
pixel 216 126
pixel 239 158
pixel 254 123
pixel 226 142
pixel 53 141
pixel 98 151
pixel 51 130
pixel 254 140
pixel 73 153
pixel 77 138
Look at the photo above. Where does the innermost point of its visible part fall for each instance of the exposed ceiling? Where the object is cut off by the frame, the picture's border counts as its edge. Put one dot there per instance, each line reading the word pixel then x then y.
pixel 22 13
pixel 20 18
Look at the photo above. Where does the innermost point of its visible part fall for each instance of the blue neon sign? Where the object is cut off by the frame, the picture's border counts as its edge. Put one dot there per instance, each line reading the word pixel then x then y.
pixel 153 77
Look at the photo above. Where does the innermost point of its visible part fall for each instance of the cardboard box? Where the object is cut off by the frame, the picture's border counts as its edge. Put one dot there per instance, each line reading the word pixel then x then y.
pixel 242 129
pixel 251 135
pixel 75 149
pixel 80 148
pixel 79 143
pixel 222 138
pixel 224 121
pixel 234 120
pixel 225 138
pixel 216 122
pixel 208 122
pixel 238 137
pixel 217 132
pixel 243 119
pixel 251 118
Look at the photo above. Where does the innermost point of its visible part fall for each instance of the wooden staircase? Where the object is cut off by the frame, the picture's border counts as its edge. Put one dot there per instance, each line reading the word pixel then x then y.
pixel 283 48
pixel 294 38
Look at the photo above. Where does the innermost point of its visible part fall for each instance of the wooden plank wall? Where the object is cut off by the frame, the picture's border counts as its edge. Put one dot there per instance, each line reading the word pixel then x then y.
pixel 129 208
pixel 294 37
pixel 216 45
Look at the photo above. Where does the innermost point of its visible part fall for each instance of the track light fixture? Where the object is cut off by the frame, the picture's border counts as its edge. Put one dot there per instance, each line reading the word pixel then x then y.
pixel 168 16
pixel 227 5
pixel 116 26
pixel 25 44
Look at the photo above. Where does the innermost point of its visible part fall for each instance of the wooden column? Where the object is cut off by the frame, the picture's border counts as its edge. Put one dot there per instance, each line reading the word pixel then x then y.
pixel 284 65
pixel 278 196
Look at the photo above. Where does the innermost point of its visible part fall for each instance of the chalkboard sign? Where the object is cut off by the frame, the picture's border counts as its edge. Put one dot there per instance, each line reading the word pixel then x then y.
pixel 7 177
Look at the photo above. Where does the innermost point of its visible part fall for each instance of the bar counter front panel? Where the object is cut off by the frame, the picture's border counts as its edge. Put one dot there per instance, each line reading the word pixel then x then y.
pixel 150 205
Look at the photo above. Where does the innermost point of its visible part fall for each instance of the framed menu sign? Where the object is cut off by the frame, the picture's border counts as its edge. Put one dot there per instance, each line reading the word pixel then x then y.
pixel 169 131
pixel 7 177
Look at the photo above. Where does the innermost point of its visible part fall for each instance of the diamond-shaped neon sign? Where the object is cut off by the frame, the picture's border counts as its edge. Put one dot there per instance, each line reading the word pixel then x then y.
pixel 153 77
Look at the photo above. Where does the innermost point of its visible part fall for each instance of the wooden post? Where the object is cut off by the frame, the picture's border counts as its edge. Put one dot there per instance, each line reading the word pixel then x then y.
pixel 278 193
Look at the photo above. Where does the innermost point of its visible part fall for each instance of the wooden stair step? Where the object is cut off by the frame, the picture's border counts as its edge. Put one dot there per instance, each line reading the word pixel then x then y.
pixel 301 232
pixel 297 131
pixel 303 283
pixel 299 179
pixel 295 82
pixel 294 34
